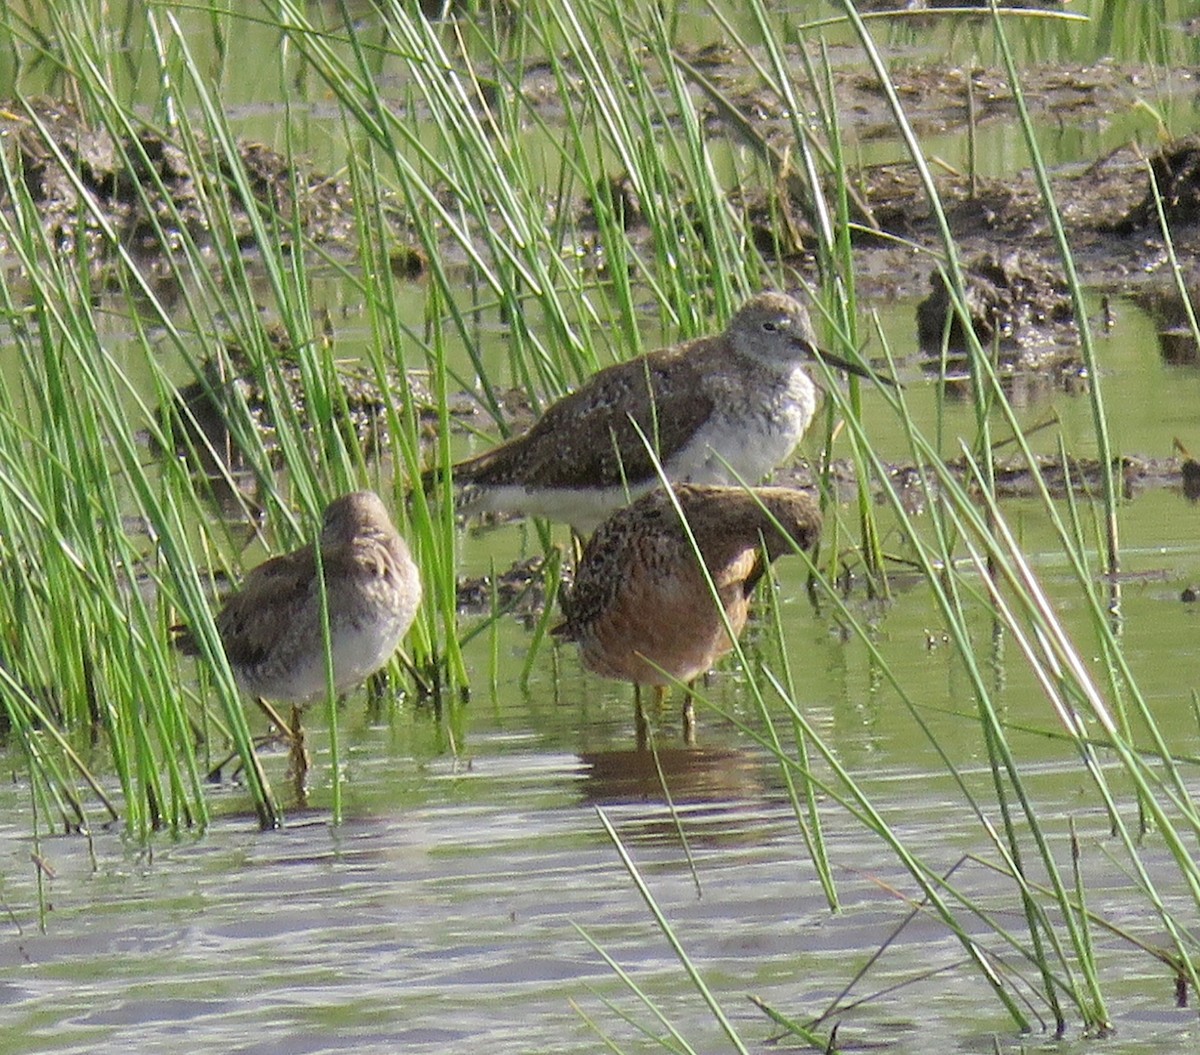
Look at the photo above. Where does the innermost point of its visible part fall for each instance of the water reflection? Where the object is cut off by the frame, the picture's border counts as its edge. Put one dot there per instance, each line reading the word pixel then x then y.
pixel 689 775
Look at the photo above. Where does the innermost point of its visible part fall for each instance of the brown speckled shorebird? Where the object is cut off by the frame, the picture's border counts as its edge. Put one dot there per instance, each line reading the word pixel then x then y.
pixel 640 608
pixel 271 628
pixel 742 398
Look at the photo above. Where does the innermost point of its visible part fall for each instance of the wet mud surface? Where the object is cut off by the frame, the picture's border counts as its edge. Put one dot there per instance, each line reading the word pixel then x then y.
pixel 1107 204
pixel 79 178
pixel 141 185
pixel 235 388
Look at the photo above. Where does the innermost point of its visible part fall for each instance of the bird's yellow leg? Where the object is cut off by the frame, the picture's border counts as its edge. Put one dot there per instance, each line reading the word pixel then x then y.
pixel 283 731
pixel 687 714
pixel 640 725
pixel 274 717
pixel 661 692
pixel 293 732
pixel 298 758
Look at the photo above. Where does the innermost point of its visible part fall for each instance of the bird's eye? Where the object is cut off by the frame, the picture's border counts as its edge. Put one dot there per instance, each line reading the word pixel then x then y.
pixel 769 327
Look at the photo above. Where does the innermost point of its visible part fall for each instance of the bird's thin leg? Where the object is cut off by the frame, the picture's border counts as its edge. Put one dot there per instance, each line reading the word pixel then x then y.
pixel 640 725
pixel 299 789
pixel 661 692
pixel 688 717
pixel 293 732
pixel 298 758
pixel 284 731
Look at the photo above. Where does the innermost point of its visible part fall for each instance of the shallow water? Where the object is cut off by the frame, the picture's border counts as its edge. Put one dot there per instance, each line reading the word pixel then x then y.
pixel 443 914
pixel 447 920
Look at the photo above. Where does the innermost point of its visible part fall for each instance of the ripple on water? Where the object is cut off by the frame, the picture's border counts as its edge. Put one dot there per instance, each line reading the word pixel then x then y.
pixel 451 923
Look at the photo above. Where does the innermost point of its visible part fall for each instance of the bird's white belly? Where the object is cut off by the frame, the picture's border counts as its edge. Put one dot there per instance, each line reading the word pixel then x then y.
pixel 725 450
pixel 357 653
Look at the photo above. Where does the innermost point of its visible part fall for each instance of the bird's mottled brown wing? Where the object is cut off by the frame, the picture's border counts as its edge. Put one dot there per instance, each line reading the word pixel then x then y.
pixel 575 443
pixel 645 539
pixel 281 586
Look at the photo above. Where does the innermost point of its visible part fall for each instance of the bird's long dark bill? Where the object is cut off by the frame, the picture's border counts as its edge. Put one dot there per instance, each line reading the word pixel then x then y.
pixel 854 368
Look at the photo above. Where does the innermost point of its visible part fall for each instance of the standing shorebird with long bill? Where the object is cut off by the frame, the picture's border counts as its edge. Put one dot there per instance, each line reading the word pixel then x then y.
pixel 714 410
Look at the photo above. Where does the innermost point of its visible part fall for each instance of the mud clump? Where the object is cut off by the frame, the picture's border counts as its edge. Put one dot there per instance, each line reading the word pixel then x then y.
pixel 1172 320
pixel 1008 297
pixel 1019 306
pixel 203 415
pixel 150 193
pixel 238 394
pixel 519 591
pixel 1176 177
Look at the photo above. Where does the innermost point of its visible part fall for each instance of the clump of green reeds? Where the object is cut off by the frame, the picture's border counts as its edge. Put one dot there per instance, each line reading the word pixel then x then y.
pixel 103 547
pixel 971 561
pixel 98 599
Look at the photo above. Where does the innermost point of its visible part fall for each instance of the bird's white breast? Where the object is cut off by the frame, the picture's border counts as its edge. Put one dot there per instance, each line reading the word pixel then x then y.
pixel 748 436
pixel 755 425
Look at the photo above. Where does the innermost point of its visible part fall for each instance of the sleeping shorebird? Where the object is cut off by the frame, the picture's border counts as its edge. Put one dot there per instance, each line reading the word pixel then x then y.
pixel 640 608
pixel 271 629
pixel 714 410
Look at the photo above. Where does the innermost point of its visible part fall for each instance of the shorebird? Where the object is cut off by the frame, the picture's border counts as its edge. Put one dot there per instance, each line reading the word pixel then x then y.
pixel 714 410
pixel 640 608
pixel 271 629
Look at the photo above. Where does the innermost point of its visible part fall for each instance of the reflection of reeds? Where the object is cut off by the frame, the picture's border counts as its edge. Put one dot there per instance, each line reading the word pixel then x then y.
pixel 492 188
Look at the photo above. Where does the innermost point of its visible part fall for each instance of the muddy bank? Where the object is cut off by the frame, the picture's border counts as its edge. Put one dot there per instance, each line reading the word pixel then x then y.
pixel 1106 203
pixel 237 394
pixel 236 391
pixel 142 186
pixel 86 179
pixel 1013 478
